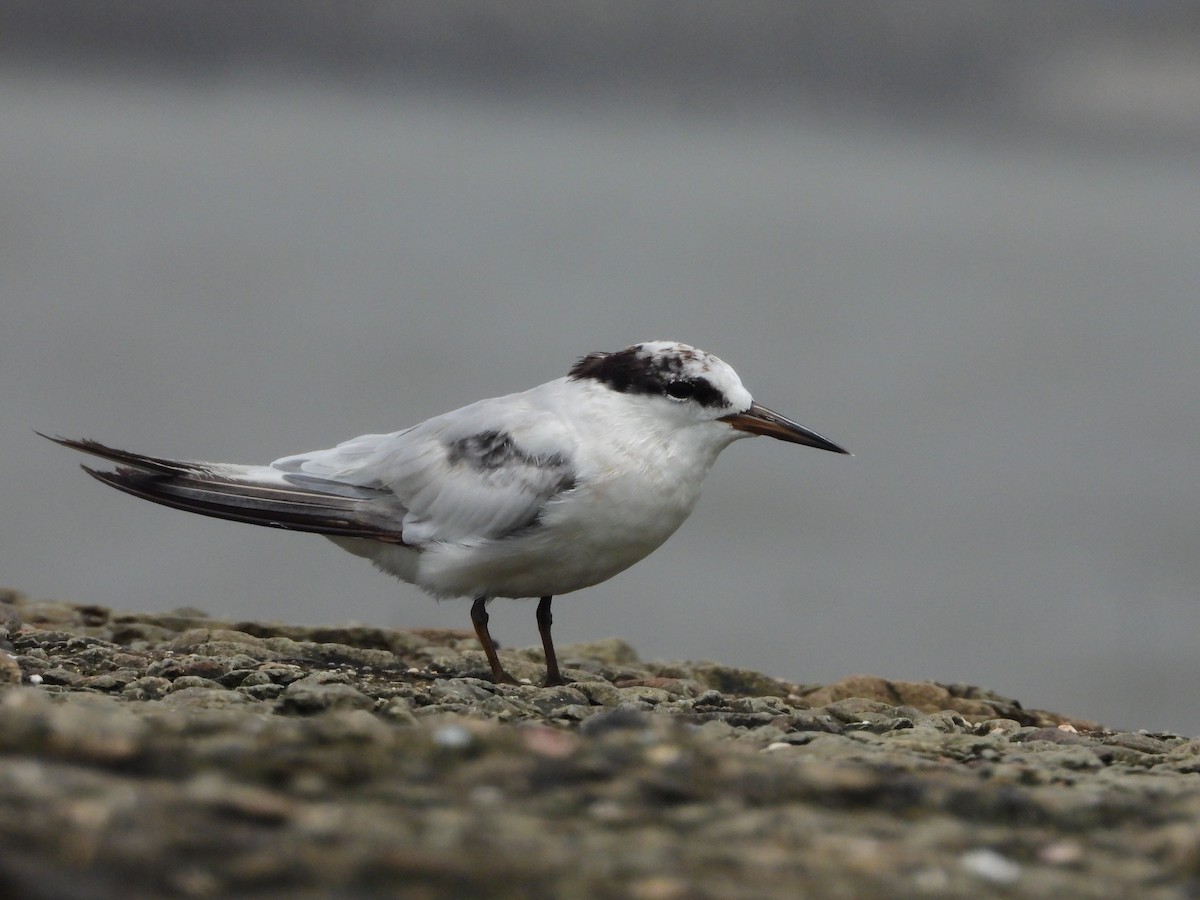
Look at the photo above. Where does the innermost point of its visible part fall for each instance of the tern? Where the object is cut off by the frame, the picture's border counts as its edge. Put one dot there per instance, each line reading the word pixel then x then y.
pixel 532 494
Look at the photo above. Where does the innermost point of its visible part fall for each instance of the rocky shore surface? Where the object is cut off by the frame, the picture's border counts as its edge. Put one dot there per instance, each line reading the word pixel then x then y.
pixel 178 755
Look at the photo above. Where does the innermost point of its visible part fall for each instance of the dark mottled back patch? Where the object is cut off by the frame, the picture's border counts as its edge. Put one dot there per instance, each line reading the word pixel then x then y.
pixel 495 450
pixel 490 451
pixel 486 450
pixel 631 371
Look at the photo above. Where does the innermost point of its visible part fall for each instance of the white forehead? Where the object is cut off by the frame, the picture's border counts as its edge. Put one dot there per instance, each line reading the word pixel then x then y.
pixel 692 362
pixel 689 361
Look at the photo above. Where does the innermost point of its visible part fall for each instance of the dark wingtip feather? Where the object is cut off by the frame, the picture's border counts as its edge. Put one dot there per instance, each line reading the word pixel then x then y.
pixel 58 439
pixel 124 457
pixel 294 510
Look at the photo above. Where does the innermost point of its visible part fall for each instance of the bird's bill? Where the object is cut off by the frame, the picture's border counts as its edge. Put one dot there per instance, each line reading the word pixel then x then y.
pixel 760 420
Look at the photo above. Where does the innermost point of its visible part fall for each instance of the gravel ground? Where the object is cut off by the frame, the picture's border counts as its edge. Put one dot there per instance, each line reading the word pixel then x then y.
pixel 178 755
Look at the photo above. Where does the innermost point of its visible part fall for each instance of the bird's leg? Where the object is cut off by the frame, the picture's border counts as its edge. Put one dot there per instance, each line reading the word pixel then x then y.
pixel 545 620
pixel 479 618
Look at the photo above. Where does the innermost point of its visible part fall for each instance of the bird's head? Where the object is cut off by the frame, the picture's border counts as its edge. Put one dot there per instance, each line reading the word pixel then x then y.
pixel 687 386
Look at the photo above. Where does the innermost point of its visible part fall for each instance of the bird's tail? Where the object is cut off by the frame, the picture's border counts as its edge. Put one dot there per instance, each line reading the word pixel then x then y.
pixel 261 495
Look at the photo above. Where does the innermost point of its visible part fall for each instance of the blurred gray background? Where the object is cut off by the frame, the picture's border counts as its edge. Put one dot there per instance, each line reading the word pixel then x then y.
pixel 959 238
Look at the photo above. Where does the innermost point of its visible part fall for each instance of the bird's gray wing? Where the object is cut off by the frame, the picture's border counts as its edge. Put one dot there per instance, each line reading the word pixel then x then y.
pixel 481 472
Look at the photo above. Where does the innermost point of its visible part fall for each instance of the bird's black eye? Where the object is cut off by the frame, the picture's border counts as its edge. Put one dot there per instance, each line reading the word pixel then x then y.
pixel 681 390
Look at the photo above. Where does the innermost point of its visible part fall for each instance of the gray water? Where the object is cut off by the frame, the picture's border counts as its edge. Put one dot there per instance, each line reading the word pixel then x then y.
pixel 1002 330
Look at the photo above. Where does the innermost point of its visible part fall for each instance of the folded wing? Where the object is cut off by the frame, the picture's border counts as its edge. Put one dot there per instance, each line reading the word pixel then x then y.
pixel 468 475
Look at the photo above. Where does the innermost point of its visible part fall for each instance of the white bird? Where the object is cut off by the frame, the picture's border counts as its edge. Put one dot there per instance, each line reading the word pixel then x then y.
pixel 532 494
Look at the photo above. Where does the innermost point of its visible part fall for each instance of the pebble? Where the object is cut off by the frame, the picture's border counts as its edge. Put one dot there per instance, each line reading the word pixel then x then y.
pixel 452 737
pixel 990 866
pixel 304 697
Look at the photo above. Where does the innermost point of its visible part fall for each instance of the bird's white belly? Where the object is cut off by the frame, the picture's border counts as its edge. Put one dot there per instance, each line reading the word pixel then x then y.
pixel 587 537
